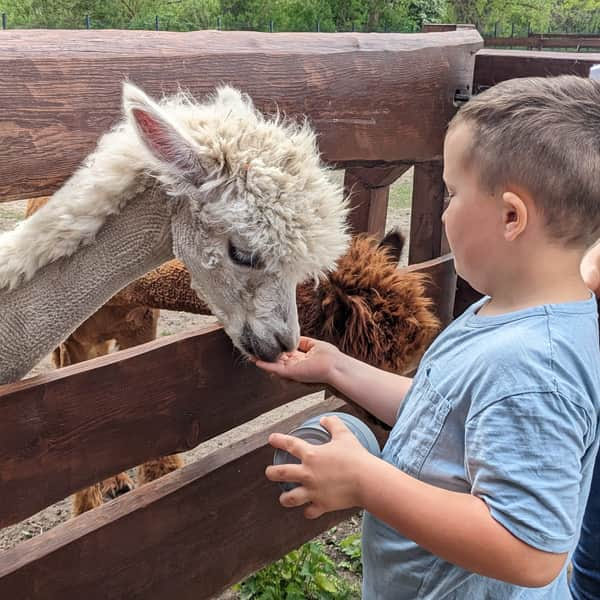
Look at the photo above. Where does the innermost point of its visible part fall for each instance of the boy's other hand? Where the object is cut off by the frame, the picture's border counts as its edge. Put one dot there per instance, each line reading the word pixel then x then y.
pixel 329 475
pixel 590 269
pixel 312 362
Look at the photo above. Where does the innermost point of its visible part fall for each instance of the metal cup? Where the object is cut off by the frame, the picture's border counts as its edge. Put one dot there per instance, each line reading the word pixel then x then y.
pixel 312 432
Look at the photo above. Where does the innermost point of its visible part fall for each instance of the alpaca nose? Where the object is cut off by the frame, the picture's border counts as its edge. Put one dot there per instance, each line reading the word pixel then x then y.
pixel 267 347
pixel 287 341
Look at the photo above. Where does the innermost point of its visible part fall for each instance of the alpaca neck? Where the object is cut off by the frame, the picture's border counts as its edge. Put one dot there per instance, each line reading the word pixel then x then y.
pixel 39 314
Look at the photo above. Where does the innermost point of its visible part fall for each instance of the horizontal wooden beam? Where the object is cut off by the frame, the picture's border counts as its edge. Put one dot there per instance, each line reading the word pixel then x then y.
pixel 540 41
pixel 372 98
pixel 493 66
pixel 66 430
pixel 187 535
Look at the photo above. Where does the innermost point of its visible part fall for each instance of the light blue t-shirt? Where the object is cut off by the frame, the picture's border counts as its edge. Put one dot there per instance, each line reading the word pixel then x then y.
pixel 506 408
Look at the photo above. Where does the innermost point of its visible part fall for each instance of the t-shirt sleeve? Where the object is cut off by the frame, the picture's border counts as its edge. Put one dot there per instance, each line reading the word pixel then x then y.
pixel 523 456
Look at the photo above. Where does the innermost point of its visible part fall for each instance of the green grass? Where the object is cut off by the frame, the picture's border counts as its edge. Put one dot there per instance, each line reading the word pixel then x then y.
pixel 401 195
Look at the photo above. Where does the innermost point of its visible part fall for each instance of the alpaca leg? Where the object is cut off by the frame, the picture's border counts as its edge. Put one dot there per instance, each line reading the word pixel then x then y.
pixel 116 486
pixel 139 326
pixel 86 499
pixel 153 469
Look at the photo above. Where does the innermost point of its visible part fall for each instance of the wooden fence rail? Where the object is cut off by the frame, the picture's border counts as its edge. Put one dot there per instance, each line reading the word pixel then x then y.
pixel 187 535
pixel 364 93
pixel 541 41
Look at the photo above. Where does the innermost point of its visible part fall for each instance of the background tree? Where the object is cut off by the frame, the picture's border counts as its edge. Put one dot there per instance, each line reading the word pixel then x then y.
pixel 490 16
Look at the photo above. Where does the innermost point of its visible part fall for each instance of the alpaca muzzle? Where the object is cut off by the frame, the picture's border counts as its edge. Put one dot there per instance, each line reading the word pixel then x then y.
pixel 268 347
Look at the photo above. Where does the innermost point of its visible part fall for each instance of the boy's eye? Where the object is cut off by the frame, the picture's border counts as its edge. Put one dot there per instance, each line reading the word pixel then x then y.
pixel 243 258
pixel 448 195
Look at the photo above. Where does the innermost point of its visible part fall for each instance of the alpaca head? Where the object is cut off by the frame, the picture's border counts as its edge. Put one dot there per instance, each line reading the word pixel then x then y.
pixel 253 209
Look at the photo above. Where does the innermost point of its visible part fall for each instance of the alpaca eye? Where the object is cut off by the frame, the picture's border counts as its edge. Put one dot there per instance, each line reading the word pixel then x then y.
pixel 243 258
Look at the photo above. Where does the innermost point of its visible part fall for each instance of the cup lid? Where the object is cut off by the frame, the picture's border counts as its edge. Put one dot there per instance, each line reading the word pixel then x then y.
pixel 312 434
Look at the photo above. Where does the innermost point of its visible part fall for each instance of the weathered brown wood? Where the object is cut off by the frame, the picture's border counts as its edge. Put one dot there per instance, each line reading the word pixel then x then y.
pixel 187 535
pixel 443 285
pixel 364 93
pixel 426 214
pixel 541 41
pixel 66 430
pixel 493 66
pixel 369 189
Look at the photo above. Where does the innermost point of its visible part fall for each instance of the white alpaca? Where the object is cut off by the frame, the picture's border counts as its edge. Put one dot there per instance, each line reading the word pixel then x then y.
pixel 242 200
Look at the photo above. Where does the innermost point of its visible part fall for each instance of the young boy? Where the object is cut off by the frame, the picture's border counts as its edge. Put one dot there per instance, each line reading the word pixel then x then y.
pixel 482 484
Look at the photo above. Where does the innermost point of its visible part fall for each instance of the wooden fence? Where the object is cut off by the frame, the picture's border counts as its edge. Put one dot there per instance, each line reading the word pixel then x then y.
pixel 380 104
pixel 575 42
pixel 532 41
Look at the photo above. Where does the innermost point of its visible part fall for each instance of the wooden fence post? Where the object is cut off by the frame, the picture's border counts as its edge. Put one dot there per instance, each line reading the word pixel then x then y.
pixel 369 193
pixel 426 231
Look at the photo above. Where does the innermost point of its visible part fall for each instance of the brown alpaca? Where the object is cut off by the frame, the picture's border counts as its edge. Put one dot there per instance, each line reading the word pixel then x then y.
pixel 367 307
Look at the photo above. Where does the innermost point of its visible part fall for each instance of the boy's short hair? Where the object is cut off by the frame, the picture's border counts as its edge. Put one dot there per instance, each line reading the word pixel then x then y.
pixel 542 134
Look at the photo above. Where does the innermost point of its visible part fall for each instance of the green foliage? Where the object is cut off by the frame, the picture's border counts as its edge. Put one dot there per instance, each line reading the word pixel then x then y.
pixel 303 574
pixel 179 15
pixel 351 548
pixel 540 16
pixel 184 15
pixel 426 11
pixel 576 16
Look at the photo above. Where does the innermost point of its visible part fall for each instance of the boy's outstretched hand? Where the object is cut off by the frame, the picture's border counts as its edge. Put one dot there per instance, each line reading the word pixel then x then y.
pixel 329 475
pixel 312 362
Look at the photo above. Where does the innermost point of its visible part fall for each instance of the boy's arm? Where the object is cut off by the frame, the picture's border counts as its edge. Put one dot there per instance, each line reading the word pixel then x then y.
pixel 315 361
pixel 454 526
pixel 377 391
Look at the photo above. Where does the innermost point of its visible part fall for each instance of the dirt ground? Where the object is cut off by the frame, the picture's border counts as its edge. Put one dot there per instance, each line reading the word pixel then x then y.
pixel 169 323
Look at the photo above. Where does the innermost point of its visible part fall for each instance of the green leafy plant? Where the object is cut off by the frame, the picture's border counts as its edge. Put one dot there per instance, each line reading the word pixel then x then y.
pixel 351 548
pixel 303 574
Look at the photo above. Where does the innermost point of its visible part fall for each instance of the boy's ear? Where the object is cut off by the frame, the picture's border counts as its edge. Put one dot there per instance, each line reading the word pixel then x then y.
pixel 514 215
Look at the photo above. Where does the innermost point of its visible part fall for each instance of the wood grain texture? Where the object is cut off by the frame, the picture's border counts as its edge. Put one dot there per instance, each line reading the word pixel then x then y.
pixel 371 97
pixel 187 535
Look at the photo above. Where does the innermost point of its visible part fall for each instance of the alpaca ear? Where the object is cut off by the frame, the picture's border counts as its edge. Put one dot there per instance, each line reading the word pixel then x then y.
pixel 162 137
pixel 394 243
